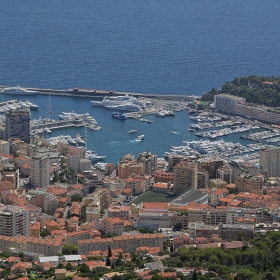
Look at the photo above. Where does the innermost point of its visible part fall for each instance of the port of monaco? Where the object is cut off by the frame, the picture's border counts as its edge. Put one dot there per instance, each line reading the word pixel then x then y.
pixel 139 140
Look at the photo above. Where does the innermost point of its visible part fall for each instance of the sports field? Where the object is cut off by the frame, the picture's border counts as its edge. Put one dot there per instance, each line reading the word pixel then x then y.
pixel 152 197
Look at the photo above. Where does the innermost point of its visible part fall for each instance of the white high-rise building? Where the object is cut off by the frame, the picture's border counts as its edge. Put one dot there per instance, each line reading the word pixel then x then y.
pixel 40 172
pixel 14 220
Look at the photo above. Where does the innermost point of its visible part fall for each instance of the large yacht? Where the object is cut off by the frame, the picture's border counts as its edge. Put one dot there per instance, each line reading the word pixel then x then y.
pixel 115 100
pixel 18 91
pixel 126 106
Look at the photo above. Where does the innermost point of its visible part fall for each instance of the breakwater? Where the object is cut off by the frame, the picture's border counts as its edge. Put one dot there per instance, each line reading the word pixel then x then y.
pixel 97 93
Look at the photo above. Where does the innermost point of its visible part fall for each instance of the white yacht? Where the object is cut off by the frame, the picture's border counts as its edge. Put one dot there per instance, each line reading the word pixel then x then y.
pixel 106 102
pixel 126 106
pixel 79 139
pixel 47 130
pixel 93 156
pixel 31 105
pixel 111 101
pixel 140 138
pixel 71 141
pixel 18 91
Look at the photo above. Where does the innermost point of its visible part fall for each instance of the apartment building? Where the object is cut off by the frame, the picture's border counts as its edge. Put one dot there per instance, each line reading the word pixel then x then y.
pixel 211 165
pixel 156 213
pixel 122 212
pixel 237 106
pixel 128 243
pixel 139 183
pixel 14 220
pixel 40 172
pixel 215 195
pixel 174 159
pixel 117 226
pixel 235 232
pixel 270 161
pixel 125 169
pixel 47 201
pixel 251 184
pixel 185 177
pixel 74 237
pixel 149 161
pixel 225 174
pixel 85 165
pixel 202 179
pixel 217 183
pixel 18 124
pixel 4 147
pixel 65 149
pixel 227 103
pixel 47 247
pixel 161 176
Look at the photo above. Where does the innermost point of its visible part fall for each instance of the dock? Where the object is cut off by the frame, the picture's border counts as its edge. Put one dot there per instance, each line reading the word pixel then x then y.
pixel 58 124
pixel 97 93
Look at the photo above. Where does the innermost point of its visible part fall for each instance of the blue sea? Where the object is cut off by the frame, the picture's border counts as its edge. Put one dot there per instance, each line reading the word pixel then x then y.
pixel 165 47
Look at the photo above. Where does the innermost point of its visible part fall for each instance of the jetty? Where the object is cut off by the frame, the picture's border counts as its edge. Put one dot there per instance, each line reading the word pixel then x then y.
pixel 97 93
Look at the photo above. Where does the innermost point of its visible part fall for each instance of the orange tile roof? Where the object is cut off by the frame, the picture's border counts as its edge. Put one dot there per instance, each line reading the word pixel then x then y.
pixel 35 226
pixel 127 190
pixel 155 205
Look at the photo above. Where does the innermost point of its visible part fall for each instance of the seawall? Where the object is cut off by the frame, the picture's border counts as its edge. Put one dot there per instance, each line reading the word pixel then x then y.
pixel 96 93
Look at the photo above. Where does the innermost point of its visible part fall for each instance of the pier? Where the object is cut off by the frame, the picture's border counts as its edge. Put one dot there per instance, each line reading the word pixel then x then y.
pixel 97 93
pixel 58 124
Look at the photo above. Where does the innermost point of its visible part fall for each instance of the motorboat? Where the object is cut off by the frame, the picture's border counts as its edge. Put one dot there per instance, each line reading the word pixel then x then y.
pixel 71 141
pixel 31 105
pixel 47 130
pixel 132 131
pixel 139 138
pixel 79 139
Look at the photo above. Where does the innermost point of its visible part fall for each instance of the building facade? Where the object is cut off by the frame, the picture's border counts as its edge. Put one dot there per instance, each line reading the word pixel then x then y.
pixel 18 124
pixel 40 174
pixel 185 177
pixel 14 221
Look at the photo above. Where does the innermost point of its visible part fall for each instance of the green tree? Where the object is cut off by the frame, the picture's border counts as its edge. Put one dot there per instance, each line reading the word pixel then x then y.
pixel 69 249
pixel 245 274
pixel 76 198
pixel 68 266
pixel 21 256
pixel 109 252
pixel 108 262
pixel 44 233
pixel 84 268
pixel 194 275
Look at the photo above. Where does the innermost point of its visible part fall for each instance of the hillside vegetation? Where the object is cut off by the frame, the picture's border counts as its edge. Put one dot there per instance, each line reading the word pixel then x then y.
pixel 256 89
pixel 258 260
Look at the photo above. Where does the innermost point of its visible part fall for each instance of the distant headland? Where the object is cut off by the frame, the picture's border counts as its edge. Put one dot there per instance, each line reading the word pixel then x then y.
pixel 256 89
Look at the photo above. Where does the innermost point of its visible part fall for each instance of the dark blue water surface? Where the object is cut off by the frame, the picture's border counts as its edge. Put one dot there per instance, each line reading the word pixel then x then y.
pixel 154 46
pixel 173 47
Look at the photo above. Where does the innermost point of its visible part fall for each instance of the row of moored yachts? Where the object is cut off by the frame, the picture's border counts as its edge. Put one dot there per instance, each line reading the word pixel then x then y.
pixel 7 106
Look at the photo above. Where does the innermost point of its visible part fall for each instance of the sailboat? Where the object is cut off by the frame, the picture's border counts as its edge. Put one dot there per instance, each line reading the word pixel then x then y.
pixel 90 154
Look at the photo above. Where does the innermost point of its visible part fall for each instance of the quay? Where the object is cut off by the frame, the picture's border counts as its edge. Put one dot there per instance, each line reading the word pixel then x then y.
pixel 96 93
pixel 57 124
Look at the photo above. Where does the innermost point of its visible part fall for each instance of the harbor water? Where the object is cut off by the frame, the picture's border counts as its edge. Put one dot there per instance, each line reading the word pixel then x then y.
pixel 112 140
